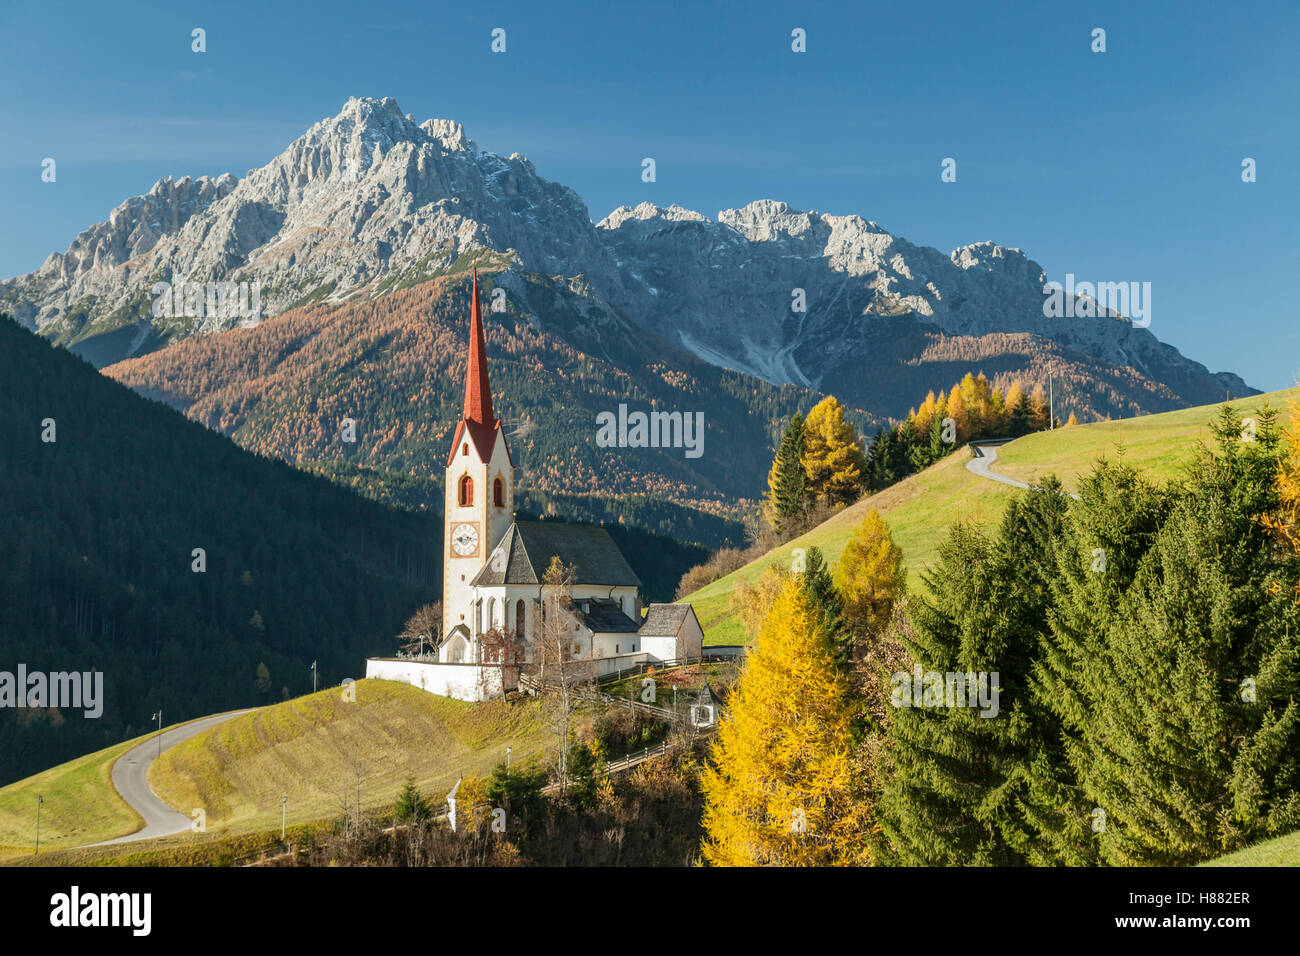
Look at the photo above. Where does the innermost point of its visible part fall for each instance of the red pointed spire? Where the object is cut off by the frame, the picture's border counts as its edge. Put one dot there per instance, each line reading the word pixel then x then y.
pixel 478 393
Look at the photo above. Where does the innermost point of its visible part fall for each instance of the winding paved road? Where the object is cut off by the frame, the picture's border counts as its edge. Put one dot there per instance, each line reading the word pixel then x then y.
pixel 984 455
pixel 130 778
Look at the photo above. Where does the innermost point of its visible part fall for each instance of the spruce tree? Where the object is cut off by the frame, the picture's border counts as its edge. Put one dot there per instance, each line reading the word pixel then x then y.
pixel 1019 416
pixel 961 779
pixel 1102 542
pixel 787 482
pixel 1192 745
pixel 938 448
pixel 935 777
pixel 902 463
pixel 411 805
pixel 819 587
pixel 881 461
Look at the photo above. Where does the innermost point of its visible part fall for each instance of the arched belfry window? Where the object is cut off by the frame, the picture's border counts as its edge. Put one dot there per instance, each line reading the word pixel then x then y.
pixel 520 619
pixel 499 493
pixel 466 496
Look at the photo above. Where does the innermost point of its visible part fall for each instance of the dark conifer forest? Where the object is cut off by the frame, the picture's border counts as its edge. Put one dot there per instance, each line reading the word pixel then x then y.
pixel 98 531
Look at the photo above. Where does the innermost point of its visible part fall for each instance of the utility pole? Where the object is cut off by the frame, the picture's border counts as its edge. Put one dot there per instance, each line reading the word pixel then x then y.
pixel 508 749
pixel 313 677
pixel 284 806
pixel 158 717
pixel 39 800
pixel 1051 404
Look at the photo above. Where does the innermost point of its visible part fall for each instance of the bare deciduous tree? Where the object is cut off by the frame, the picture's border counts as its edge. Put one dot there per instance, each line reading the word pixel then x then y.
pixel 423 630
pixel 501 646
pixel 556 664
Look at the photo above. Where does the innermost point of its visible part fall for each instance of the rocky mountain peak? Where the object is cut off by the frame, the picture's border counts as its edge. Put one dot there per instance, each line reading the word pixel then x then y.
pixel 369 200
pixel 449 134
pixel 767 219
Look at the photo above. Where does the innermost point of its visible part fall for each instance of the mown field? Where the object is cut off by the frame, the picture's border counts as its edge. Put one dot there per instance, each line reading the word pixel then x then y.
pixel 318 749
pixel 920 508
pixel 80 805
pixel 314 749
pixel 1159 444
pixel 1283 851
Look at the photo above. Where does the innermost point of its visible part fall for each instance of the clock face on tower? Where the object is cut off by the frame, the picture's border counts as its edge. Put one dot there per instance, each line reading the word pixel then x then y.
pixel 464 539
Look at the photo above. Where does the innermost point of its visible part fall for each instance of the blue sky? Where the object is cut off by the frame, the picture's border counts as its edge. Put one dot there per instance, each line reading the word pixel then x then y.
pixel 1122 166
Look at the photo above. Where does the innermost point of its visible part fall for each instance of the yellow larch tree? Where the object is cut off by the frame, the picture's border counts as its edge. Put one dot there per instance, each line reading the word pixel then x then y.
pixel 959 414
pixel 779 789
pixel 924 415
pixel 1038 409
pixel 870 577
pixel 1285 521
pixel 832 455
pixel 1014 398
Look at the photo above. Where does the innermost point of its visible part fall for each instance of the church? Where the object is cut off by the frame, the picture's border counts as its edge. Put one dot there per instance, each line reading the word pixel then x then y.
pixel 494 567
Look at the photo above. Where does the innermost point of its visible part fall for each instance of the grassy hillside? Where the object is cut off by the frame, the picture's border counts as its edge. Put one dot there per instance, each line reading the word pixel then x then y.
pixel 1283 851
pixel 81 806
pixel 100 527
pixel 1160 444
pixel 919 509
pixel 312 749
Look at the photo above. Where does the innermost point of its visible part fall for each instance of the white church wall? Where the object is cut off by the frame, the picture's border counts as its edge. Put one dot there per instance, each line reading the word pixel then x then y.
pixel 614 645
pixel 612 665
pixel 471 682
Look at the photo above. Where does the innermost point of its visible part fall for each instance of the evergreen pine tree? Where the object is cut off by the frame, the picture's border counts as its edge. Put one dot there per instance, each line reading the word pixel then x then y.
pixel 961 779
pixel 925 810
pixel 411 805
pixel 1017 411
pixel 819 587
pixel 938 448
pixel 1102 542
pixel 904 450
pixel 787 482
pixel 1191 746
pixel 881 460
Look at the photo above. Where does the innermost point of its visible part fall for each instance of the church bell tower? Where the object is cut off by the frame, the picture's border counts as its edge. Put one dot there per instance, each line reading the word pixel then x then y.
pixel 479 494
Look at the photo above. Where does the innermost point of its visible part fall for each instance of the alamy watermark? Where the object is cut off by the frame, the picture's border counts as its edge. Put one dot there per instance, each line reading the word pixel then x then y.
pixel 212 300
pixel 1088 300
pixel 651 430
pixel 126 910
pixel 61 689
pixel 952 689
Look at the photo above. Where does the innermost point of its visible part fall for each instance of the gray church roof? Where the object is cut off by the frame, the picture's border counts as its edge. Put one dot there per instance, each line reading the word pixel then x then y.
pixel 604 617
pixel 529 546
pixel 665 620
